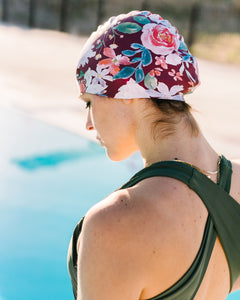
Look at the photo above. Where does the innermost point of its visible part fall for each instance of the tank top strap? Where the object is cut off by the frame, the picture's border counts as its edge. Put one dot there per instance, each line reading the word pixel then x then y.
pixel 225 177
pixel 174 169
pixel 181 171
pixel 225 213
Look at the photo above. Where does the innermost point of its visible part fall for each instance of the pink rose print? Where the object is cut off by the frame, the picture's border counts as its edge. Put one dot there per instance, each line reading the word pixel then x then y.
pixel 176 75
pixel 113 61
pixel 159 39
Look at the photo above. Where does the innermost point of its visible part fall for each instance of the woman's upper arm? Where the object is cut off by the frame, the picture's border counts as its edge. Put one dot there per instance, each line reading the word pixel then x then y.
pixel 107 268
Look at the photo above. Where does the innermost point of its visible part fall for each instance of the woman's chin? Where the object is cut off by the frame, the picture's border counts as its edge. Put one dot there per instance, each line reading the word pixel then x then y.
pixel 117 156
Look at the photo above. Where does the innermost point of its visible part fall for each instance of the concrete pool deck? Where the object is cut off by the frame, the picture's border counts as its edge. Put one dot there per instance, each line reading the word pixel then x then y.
pixel 37 76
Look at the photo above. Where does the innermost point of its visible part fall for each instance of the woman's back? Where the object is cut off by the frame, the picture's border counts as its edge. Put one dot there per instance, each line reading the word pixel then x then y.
pixel 165 220
pixel 178 217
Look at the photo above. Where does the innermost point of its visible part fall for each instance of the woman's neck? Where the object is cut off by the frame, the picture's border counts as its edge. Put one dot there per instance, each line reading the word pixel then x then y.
pixel 182 146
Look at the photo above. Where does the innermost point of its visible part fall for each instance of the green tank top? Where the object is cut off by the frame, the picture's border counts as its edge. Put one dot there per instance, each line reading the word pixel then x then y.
pixel 223 221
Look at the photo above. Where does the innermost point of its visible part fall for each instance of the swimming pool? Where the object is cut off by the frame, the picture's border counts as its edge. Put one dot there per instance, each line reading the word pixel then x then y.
pixel 48 180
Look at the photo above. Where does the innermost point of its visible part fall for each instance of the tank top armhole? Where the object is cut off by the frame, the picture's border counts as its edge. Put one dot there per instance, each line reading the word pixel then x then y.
pixel 189 283
pixel 75 237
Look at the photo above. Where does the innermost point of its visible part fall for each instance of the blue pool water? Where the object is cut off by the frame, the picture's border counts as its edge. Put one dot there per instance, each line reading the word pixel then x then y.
pixel 48 180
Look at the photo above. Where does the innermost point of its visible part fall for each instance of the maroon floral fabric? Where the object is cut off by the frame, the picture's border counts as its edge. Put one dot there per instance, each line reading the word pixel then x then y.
pixel 137 55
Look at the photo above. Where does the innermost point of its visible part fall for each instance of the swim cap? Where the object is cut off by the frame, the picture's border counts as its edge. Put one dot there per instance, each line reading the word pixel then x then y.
pixel 137 55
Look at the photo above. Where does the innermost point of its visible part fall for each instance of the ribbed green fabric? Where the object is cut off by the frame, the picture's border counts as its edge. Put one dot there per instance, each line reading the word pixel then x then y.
pixel 223 220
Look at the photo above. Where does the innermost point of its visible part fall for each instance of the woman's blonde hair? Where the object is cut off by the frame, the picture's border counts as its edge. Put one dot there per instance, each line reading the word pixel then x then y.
pixel 172 112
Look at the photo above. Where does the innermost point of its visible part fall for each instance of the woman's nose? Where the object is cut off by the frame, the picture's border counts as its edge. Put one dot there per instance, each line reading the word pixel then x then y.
pixel 89 125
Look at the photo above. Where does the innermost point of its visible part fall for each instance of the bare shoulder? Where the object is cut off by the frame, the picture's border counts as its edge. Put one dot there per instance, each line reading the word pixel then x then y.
pixel 113 250
pixel 138 234
pixel 158 213
pixel 111 215
pixel 133 208
pixel 108 267
pixel 157 202
pixel 125 216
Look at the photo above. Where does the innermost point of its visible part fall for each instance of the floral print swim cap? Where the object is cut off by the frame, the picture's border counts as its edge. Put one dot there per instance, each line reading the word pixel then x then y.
pixel 137 55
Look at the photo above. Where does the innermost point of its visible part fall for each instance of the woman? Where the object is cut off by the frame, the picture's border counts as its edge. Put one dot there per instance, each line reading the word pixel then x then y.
pixel 172 231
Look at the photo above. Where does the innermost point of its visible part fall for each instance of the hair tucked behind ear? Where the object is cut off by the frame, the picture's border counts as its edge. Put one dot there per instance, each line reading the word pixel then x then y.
pixel 173 111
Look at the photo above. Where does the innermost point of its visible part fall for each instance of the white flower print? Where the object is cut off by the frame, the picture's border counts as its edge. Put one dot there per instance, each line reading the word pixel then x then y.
pixel 84 60
pixel 88 77
pixel 98 56
pixel 99 75
pixel 93 87
pixel 173 59
pixel 113 46
pixel 131 90
pixel 155 18
pixel 165 93
pixel 96 89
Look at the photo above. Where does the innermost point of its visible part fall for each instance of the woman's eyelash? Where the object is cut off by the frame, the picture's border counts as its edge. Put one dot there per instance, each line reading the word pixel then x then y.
pixel 88 104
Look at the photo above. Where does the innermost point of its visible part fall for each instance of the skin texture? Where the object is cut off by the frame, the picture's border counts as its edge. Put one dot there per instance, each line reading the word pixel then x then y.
pixel 133 240
pixel 112 118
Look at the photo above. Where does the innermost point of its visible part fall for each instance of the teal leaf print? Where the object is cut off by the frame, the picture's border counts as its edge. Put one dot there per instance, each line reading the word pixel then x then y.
pixel 128 27
pixel 137 46
pixel 183 46
pixel 124 73
pixel 141 20
pixel 187 58
pixel 80 75
pixel 150 82
pixel 146 57
pixel 136 59
pixel 139 74
pixel 129 52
